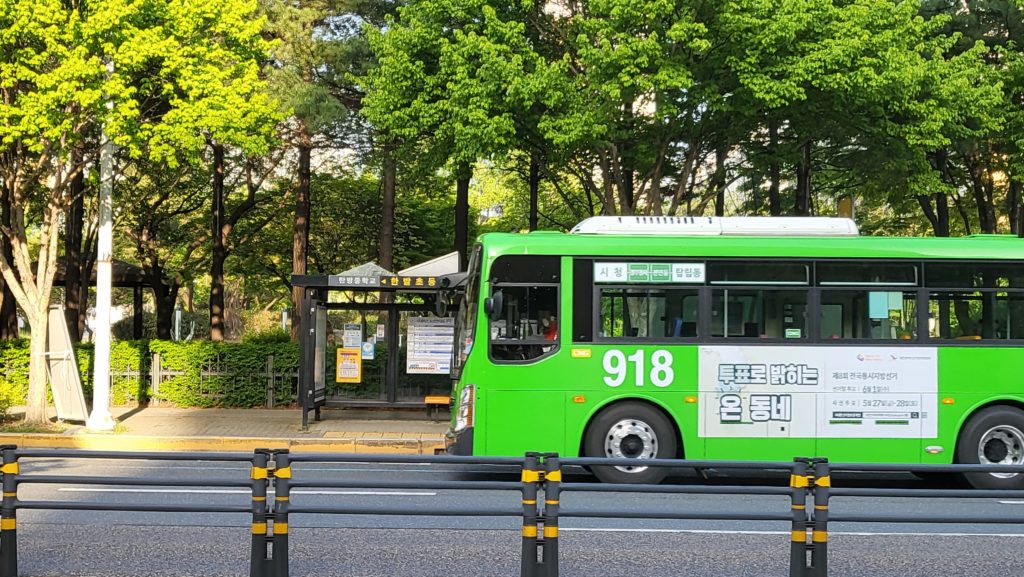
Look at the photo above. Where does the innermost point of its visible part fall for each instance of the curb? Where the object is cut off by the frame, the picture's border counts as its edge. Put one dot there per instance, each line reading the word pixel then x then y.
pixel 142 443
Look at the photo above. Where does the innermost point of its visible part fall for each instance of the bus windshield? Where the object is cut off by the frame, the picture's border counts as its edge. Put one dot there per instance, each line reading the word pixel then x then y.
pixel 465 321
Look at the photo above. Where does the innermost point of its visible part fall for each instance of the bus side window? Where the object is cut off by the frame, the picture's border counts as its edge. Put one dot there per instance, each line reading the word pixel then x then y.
pixel 868 314
pixel 648 313
pixel 757 313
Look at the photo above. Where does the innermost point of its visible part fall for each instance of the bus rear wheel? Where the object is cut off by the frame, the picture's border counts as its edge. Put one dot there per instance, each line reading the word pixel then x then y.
pixel 994 436
pixel 634 431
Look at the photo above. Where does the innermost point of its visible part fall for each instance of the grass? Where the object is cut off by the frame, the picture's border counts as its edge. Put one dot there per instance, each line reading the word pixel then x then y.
pixel 18 425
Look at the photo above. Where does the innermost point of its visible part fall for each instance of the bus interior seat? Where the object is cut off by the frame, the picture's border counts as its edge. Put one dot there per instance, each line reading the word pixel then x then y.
pixel 683 329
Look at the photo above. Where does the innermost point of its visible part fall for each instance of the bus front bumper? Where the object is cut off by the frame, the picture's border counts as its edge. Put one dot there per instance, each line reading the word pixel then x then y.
pixel 459 443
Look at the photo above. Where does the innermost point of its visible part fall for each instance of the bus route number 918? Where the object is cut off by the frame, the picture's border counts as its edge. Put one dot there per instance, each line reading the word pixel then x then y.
pixel 617 367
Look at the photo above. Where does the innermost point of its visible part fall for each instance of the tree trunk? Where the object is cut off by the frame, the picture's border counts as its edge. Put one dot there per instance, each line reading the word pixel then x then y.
pixel 300 230
pixel 534 188
pixel 621 170
pixel 8 307
pixel 980 199
pixel 386 256
pixel 1014 201
pixel 774 172
pixel 74 223
pixel 942 214
pixel 462 214
pixel 219 249
pixel 802 206
pixel 35 410
pixel 718 180
pixel 164 297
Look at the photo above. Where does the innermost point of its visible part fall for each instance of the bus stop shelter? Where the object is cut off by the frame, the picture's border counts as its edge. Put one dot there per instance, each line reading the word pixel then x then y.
pixel 331 373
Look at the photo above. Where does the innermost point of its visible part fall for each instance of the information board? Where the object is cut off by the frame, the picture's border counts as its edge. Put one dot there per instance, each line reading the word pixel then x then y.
pixel 430 345
pixel 349 366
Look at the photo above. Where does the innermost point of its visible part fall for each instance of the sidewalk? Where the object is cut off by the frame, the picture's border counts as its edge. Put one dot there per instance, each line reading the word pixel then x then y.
pixel 171 429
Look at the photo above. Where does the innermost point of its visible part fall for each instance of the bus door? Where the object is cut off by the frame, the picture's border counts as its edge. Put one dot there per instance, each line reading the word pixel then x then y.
pixel 523 399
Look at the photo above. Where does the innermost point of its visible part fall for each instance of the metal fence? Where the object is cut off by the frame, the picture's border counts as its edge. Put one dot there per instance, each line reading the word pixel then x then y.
pixel 535 498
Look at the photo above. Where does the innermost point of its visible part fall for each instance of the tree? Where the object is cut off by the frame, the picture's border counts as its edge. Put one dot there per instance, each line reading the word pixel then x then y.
pixel 163 207
pixel 64 64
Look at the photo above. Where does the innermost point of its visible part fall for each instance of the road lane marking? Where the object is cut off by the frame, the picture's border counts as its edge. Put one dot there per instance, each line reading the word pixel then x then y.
pixel 1012 502
pixel 244 492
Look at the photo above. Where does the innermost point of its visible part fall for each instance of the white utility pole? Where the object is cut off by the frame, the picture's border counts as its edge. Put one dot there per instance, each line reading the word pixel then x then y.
pixel 100 419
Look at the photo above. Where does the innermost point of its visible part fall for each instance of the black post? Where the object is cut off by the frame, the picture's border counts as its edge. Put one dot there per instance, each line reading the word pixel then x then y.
pixel 282 497
pixel 819 537
pixel 552 490
pixel 798 483
pixel 258 564
pixel 307 355
pixel 391 370
pixel 531 480
pixel 8 513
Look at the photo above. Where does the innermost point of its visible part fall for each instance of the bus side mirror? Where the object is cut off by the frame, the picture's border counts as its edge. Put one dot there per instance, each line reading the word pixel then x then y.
pixel 493 305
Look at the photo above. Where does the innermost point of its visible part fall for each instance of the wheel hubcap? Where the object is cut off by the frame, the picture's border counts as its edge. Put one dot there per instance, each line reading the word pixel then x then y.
pixel 1002 445
pixel 631 439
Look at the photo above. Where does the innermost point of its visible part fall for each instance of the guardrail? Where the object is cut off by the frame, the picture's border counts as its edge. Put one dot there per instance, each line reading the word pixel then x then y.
pixel 539 490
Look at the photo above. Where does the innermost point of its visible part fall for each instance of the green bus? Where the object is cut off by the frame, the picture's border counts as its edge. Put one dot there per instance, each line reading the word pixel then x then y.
pixel 742 338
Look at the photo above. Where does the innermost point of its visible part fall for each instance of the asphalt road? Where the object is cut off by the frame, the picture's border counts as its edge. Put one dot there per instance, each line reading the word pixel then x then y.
pixel 138 544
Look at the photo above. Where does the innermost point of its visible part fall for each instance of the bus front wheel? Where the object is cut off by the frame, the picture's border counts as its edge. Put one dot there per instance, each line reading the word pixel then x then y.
pixel 634 431
pixel 994 435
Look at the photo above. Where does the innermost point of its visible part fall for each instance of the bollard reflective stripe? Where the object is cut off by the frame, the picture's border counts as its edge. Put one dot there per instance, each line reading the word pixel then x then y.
pixel 283 473
pixel 258 473
pixel 819 536
pixel 10 468
pixel 800 536
pixel 530 531
pixel 280 528
pixel 259 528
pixel 798 481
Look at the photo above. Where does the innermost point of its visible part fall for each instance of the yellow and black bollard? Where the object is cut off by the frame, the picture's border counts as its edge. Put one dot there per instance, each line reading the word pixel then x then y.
pixel 9 513
pixel 551 485
pixel 259 565
pixel 798 484
pixel 531 482
pixel 821 485
pixel 282 474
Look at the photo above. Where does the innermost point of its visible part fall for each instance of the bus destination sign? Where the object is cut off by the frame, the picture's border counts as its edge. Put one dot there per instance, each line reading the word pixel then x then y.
pixel 649 272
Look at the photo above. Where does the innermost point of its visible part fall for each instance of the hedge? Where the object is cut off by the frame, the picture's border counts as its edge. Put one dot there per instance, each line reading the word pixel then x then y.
pixel 202 373
pixel 243 383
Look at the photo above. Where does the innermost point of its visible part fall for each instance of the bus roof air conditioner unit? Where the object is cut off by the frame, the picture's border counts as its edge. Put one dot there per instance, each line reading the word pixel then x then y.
pixel 718 226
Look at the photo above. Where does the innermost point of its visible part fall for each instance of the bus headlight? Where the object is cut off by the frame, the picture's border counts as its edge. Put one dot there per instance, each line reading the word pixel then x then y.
pixel 464 416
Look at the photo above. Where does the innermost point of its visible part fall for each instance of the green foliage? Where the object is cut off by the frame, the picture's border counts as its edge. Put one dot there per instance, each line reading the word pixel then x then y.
pixel 129 365
pixel 239 366
pixel 14 361
pixel 273 336
pixel 338 241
